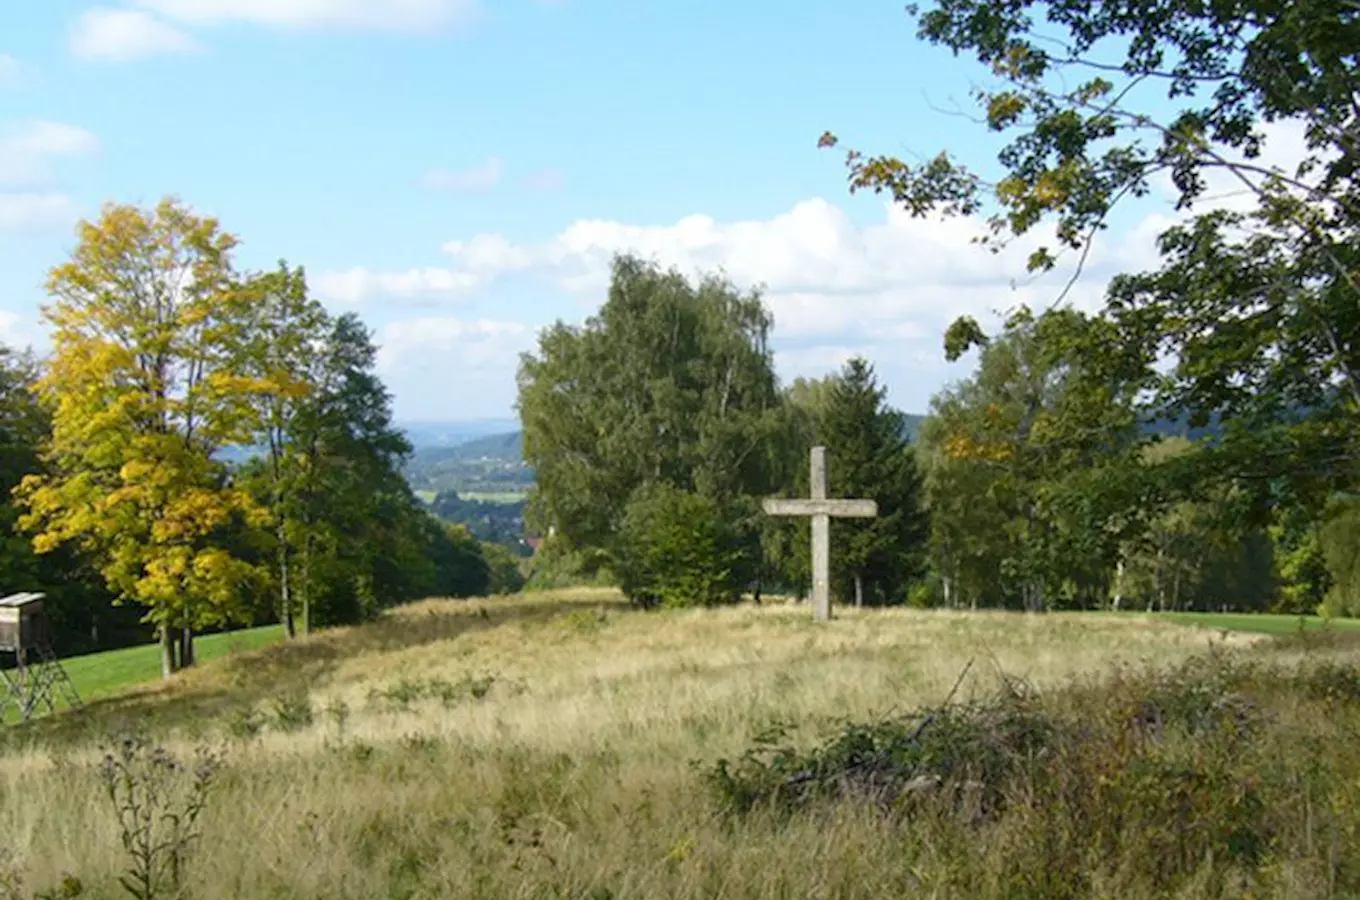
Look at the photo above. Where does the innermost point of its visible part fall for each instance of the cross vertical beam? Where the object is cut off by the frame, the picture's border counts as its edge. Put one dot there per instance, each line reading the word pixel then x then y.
pixel 820 509
pixel 821 541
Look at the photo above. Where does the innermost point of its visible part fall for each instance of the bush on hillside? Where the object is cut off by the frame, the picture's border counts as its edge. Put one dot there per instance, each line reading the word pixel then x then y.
pixel 1223 777
pixel 557 565
pixel 504 576
pixel 676 550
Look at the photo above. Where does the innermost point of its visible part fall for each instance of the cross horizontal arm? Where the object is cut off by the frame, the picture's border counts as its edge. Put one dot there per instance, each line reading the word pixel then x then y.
pixel 841 509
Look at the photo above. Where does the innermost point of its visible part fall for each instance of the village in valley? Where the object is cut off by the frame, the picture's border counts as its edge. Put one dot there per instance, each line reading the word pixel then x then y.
pixel 584 450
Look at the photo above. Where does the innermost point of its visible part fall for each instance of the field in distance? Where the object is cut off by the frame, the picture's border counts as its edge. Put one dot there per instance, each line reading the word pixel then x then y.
pixel 545 745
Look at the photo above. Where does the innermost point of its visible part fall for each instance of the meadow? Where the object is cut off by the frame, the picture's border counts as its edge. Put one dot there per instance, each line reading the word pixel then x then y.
pixel 562 745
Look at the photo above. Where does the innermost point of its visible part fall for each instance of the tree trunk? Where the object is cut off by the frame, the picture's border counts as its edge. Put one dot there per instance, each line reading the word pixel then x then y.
pixel 859 591
pixel 948 585
pixel 305 587
pixel 285 594
pixel 167 651
pixel 1119 584
pixel 186 647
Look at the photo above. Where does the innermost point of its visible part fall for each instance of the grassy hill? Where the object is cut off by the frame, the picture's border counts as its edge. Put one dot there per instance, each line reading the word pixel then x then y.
pixel 565 746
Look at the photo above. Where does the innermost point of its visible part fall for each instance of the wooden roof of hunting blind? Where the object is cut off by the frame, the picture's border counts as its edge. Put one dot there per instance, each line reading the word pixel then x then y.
pixel 23 599
pixel 21 621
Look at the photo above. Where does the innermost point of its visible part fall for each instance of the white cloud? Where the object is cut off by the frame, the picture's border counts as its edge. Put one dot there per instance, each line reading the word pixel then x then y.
pixel 356 285
pixel 119 35
pixel 26 151
pixel 835 287
pixel 442 367
pixel 34 211
pixel 472 345
pixel 822 273
pixel 402 15
pixel 477 179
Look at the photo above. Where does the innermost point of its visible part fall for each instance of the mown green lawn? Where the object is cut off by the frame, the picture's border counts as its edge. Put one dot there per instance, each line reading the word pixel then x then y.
pixel 1258 623
pixel 101 674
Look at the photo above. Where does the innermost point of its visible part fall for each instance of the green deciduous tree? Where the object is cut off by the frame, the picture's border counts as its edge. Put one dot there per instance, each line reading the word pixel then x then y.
pixel 504 569
pixel 670 383
pixel 1201 551
pixel 1033 477
pixel 461 568
pixel 149 330
pixel 359 526
pixel 1340 542
pixel 1258 307
pixel 287 352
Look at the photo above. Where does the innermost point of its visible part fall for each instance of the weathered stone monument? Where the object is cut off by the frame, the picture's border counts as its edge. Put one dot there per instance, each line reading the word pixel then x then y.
pixel 821 509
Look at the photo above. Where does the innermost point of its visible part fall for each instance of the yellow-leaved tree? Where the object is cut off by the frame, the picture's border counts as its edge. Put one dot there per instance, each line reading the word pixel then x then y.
pixel 149 326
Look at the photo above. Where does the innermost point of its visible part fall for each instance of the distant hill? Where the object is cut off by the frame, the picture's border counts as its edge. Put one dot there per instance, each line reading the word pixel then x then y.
pixel 491 464
pixel 494 463
pixel 508 447
pixel 449 434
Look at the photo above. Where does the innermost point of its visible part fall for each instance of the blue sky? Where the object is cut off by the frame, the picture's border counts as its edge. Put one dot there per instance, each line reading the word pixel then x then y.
pixel 459 171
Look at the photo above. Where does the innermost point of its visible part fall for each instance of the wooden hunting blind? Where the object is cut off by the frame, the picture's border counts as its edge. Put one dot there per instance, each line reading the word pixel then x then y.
pixel 36 679
pixel 23 626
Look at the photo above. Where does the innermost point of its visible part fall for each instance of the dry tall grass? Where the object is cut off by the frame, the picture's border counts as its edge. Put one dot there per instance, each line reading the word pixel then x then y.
pixel 540 747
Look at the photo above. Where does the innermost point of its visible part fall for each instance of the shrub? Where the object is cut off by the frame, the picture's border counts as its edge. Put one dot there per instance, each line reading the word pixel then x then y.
pixel 407 692
pixel 293 711
pixel 1218 773
pixel 675 550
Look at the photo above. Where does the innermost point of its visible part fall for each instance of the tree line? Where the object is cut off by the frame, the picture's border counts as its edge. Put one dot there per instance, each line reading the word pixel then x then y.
pixel 1041 481
pixel 207 447
pixel 1045 480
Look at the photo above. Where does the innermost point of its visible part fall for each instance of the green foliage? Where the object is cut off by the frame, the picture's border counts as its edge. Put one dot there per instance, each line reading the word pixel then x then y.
pixel 1199 553
pixel 556 565
pixel 461 567
pixel 489 521
pixel 77 602
pixel 869 456
pixel 1340 545
pixel 676 549
pixel 1301 567
pixel 1257 307
pixel 293 711
pixel 503 569
pixel 1033 469
pixel 403 695
pixel 670 383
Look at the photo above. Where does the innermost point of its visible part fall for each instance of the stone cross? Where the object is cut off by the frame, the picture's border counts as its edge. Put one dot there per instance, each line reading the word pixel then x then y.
pixel 821 510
